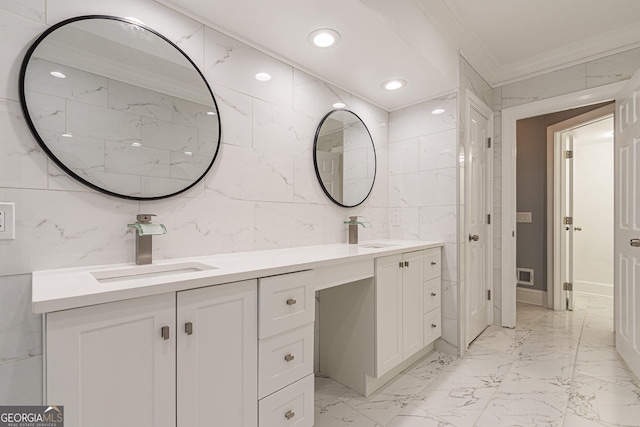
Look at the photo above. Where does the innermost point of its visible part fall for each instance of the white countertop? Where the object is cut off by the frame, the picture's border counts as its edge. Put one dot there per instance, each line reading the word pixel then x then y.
pixel 62 289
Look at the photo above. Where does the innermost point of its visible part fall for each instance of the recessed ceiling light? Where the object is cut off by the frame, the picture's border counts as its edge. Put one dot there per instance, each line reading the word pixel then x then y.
pixel 339 105
pixel 263 77
pixel 324 37
pixel 58 74
pixel 393 84
pixel 136 144
pixel 437 111
pixel 211 113
pixel 188 153
pixel 67 135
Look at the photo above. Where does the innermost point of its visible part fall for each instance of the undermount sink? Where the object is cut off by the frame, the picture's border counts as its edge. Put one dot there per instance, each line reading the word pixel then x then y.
pixel 149 271
pixel 377 245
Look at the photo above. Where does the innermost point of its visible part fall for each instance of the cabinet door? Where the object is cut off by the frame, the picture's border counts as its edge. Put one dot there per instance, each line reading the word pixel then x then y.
pixel 388 313
pixel 109 362
pixel 218 360
pixel 412 303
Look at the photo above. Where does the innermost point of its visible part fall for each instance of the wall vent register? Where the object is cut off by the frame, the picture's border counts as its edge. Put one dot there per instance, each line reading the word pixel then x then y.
pixel 525 276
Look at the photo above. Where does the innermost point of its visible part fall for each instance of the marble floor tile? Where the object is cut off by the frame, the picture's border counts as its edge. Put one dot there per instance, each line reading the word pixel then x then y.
pixel 604 402
pixel 430 367
pixel 554 369
pixel 327 391
pixel 339 415
pixel 460 407
pixel 386 403
pixel 503 339
pixel 604 363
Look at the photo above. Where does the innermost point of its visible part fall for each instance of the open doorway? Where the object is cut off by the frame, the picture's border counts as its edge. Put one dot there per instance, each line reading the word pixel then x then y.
pixel 580 206
pixel 535 200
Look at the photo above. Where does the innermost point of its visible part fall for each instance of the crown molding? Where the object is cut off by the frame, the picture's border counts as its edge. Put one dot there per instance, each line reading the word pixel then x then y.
pixel 612 42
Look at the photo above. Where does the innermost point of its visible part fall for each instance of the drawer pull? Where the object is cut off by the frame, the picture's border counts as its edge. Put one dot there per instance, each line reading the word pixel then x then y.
pixel 291 301
pixel 406 263
pixel 433 263
pixel 433 294
pixel 433 325
pixel 188 328
pixel 289 415
pixel 289 357
pixel 164 333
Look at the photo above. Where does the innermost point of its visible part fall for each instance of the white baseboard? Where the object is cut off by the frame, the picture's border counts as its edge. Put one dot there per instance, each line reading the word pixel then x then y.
pixel 531 296
pixel 604 289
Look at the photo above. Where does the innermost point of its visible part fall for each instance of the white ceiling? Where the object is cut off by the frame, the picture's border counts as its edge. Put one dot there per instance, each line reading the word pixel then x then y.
pixel 418 40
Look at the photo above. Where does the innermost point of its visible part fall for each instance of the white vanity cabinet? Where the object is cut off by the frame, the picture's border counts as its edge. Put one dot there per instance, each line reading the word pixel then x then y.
pixel 432 319
pixel 136 359
pixel 286 316
pixel 399 297
pixel 217 351
pixel 109 362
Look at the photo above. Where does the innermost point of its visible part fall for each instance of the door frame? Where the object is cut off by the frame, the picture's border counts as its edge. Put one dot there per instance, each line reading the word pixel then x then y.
pixel 473 101
pixel 554 219
pixel 509 118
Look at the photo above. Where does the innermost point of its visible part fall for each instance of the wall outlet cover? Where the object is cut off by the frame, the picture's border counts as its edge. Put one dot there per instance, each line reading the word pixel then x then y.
pixel 7 221
pixel 395 219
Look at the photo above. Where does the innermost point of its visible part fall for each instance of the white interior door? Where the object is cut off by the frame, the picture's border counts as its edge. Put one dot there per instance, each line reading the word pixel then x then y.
pixel 330 170
pixel 627 223
pixel 566 207
pixel 478 172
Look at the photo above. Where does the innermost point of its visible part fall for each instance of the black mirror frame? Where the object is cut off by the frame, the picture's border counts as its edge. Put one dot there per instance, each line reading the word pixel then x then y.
pixel 315 158
pixel 58 162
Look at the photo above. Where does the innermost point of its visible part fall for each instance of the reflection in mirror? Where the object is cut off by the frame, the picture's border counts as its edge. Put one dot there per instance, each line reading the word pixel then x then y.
pixel 119 107
pixel 345 158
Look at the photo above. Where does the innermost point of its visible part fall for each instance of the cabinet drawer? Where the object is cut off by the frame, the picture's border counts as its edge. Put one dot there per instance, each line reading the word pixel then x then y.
pixel 284 359
pixel 285 302
pixel 432 291
pixel 432 326
pixel 432 263
pixel 291 406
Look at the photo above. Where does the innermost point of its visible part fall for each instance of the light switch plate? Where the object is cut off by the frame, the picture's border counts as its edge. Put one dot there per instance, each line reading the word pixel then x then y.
pixel 523 217
pixel 7 221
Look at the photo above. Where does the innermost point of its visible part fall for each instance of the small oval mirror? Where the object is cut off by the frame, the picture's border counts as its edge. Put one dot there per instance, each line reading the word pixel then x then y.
pixel 344 158
pixel 119 107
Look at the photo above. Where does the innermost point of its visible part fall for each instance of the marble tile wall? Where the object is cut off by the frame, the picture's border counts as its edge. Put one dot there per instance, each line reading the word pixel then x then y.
pixel 423 158
pixel 262 192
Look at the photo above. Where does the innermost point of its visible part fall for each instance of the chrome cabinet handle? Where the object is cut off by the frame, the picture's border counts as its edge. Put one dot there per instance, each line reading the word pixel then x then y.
pixel 474 237
pixel 433 325
pixel 577 228
pixel 433 263
pixel 164 333
pixel 290 414
pixel 289 357
pixel 635 243
pixel 433 294
pixel 291 301
pixel 406 263
pixel 188 328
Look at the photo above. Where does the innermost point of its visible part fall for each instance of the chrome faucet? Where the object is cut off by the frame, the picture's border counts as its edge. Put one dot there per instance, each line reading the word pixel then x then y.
pixel 353 229
pixel 145 229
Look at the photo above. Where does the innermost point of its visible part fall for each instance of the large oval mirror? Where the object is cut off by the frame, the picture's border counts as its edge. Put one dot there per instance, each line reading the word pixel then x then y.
pixel 119 107
pixel 345 158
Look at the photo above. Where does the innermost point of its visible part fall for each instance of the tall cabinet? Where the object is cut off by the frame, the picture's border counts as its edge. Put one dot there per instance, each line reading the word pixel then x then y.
pixel 125 360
